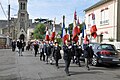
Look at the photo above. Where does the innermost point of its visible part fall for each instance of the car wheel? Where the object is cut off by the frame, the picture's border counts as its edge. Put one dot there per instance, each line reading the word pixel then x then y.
pixel 94 61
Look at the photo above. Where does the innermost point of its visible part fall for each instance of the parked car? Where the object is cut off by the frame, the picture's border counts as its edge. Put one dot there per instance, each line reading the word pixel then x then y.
pixel 105 54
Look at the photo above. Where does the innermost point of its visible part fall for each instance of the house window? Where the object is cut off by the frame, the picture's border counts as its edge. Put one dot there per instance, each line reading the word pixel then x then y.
pixel 104 16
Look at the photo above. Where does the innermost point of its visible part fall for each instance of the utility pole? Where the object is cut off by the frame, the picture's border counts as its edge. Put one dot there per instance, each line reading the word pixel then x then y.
pixel 9 17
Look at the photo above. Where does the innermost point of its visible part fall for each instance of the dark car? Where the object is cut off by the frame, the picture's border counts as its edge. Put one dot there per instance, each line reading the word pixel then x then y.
pixel 105 54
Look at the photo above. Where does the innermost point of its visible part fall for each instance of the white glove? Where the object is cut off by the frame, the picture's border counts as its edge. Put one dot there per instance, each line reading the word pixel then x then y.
pixel 45 54
pixel 70 47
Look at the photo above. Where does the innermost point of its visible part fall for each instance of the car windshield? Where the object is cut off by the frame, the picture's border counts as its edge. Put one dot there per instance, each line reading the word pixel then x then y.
pixel 93 45
pixel 107 47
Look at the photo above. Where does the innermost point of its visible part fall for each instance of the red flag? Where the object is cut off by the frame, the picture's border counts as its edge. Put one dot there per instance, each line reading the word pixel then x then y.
pixel 75 39
pixel 78 23
pixel 75 15
pixel 94 34
pixel 53 34
pixel 86 40
pixel 93 29
pixel 47 34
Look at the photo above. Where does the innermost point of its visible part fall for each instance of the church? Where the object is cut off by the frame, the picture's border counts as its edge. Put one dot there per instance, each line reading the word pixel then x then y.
pixel 19 25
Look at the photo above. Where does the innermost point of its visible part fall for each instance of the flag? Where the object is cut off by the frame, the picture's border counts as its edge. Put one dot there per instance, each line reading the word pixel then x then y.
pixel 93 31
pixel 53 32
pixel 78 23
pixel 75 15
pixel 68 33
pixel 75 33
pixel 94 34
pixel 64 34
pixel 47 34
pixel 86 40
pixel 83 30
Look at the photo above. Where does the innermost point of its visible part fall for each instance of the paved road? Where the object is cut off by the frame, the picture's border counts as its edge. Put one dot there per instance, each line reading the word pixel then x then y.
pixel 28 67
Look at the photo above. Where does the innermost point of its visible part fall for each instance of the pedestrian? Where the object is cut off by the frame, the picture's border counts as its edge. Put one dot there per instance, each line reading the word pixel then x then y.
pixel 23 45
pixel 19 45
pixel 42 56
pixel 56 54
pixel 78 52
pixel 36 46
pixel 13 45
pixel 47 51
pixel 73 51
pixel 67 48
pixel 88 53
pixel 51 54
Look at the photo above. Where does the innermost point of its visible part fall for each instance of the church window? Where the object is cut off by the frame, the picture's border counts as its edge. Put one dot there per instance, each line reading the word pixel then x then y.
pixel 21 5
pixel 24 6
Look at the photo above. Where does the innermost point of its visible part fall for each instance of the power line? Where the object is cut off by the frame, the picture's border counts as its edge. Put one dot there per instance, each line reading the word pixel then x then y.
pixel 3 10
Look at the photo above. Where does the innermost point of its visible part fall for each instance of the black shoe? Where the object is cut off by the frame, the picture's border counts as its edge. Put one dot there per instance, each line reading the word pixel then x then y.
pixel 68 74
pixel 88 69
pixel 57 67
pixel 79 65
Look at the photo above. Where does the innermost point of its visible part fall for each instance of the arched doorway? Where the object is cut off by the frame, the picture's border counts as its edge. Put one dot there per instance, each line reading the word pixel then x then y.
pixel 22 37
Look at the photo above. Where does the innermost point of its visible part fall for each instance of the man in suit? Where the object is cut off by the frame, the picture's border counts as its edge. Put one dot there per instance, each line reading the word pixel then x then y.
pixel 67 48
pixel 56 53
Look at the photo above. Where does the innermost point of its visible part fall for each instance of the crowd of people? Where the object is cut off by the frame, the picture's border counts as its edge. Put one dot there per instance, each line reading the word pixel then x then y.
pixel 51 51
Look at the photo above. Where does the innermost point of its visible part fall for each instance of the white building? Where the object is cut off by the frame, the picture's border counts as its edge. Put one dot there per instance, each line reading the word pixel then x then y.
pixel 107 19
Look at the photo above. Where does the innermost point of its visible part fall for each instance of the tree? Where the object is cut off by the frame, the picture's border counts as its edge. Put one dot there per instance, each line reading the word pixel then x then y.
pixel 39 32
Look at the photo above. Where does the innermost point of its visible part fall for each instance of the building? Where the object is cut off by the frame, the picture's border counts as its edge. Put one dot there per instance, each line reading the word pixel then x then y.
pixel 23 22
pixel 106 16
pixel 2 25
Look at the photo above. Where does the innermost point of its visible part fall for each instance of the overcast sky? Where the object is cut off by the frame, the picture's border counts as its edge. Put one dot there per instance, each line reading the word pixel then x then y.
pixel 50 9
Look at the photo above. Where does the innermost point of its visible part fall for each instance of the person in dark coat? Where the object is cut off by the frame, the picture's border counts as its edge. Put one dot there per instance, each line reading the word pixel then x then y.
pixel 67 48
pixel 36 46
pixel 19 45
pixel 47 50
pixel 73 51
pixel 51 55
pixel 88 54
pixel 42 56
pixel 13 45
pixel 78 52
pixel 56 53
pixel 24 44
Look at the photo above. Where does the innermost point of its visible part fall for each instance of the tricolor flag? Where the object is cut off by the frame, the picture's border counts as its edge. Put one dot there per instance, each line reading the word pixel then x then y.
pixel 64 34
pixel 68 33
pixel 83 30
pixel 47 34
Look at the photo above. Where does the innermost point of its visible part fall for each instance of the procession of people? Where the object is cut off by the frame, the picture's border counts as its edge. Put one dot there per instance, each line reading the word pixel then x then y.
pixel 50 52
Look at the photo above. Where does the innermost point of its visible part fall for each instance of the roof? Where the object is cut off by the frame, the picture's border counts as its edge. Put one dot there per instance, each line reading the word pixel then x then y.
pixel 97 4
